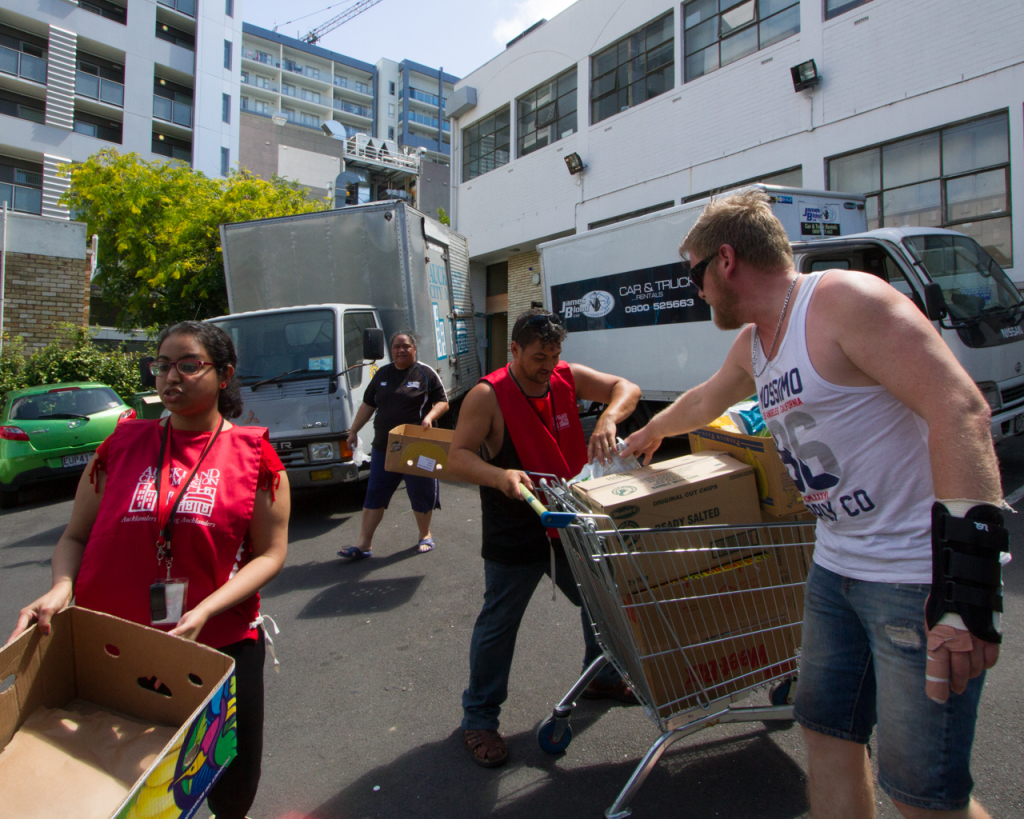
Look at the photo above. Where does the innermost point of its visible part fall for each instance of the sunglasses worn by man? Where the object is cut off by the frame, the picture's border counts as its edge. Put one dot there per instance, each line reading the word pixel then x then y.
pixel 696 272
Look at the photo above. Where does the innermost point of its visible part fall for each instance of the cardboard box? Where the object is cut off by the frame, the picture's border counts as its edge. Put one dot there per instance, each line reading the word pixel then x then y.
pixel 413 450
pixel 775 488
pixel 90 667
pixel 694 490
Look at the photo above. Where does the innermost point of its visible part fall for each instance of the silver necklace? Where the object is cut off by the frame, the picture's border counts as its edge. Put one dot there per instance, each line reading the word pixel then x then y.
pixel 775 341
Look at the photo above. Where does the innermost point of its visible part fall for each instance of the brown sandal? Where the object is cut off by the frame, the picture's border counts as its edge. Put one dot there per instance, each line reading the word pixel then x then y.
pixel 489 741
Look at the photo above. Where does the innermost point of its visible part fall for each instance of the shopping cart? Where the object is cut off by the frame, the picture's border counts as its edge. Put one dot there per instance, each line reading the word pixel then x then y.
pixel 694 618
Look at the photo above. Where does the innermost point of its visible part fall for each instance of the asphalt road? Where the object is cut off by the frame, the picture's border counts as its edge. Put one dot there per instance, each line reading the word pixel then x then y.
pixel 362 719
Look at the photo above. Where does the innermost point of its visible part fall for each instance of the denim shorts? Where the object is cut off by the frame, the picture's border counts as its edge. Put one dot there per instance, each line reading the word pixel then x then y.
pixel 424 494
pixel 862 665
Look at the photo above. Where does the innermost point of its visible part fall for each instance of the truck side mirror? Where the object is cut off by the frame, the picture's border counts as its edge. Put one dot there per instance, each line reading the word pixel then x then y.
pixel 146 378
pixel 373 344
pixel 934 302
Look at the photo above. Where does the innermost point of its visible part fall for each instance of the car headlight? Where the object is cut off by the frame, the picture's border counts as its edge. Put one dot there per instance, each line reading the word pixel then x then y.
pixel 322 452
pixel 991 392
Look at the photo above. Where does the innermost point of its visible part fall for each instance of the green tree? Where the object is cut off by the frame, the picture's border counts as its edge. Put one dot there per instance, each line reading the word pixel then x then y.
pixel 443 217
pixel 159 227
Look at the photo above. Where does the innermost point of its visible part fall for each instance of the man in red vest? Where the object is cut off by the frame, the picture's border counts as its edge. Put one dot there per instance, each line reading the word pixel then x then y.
pixel 517 420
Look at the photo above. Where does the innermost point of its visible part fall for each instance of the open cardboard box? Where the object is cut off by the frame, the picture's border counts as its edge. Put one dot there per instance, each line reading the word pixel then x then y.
pixel 98 745
pixel 413 450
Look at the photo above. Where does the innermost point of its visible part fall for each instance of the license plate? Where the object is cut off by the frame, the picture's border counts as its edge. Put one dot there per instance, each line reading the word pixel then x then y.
pixel 320 475
pixel 81 459
pixel 1018 424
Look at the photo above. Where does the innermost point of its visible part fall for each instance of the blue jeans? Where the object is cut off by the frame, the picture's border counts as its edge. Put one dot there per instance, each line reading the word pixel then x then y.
pixel 862 664
pixel 507 593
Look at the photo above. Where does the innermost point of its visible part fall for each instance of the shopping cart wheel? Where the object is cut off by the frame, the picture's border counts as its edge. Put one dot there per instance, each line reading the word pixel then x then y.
pixel 783 693
pixel 554 735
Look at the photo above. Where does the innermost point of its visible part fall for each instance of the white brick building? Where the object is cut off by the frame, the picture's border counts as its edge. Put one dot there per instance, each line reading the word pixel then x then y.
pixel 919 106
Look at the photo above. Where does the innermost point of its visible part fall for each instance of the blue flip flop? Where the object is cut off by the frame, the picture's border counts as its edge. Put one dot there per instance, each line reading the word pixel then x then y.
pixel 428 542
pixel 354 553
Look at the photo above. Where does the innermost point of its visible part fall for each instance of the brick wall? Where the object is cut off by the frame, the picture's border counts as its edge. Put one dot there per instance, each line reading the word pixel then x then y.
pixel 521 290
pixel 41 291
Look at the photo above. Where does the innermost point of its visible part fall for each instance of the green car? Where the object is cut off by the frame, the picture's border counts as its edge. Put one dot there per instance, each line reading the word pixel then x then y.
pixel 51 431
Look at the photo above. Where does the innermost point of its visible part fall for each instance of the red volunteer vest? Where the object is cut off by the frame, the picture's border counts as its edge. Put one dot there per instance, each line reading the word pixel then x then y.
pixel 210 536
pixel 560 449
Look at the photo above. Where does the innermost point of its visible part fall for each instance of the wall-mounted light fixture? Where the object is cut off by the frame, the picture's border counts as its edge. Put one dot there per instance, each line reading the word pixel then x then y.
pixel 574 163
pixel 805 75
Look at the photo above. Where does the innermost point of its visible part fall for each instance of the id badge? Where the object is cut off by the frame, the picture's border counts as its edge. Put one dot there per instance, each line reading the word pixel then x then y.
pixel 167 601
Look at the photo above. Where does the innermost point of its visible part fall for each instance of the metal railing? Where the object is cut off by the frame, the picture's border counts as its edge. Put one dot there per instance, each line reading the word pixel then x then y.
pixel 362 147
pixel 350 108
pixel 353 85
pixel 260 57
pixel 422 96
pixel 21 198
pixel 265 85
pixel 23 65
pixel 184 6
pixel 98 88
pixel 171 111
pixel 304 70
pixel 422 119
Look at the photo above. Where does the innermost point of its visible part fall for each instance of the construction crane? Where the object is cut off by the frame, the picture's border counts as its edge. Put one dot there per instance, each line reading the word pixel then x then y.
pixel 314 35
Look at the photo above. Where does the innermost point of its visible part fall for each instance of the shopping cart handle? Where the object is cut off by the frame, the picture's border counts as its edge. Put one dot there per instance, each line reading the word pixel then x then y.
pixel 553 520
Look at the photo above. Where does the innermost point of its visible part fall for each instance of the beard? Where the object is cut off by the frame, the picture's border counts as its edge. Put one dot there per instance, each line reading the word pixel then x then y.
pixel 723 311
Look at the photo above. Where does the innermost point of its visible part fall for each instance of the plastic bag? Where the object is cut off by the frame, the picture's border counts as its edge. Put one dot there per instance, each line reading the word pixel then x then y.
pixel 596 469
pixel 746 415
pixel 358 456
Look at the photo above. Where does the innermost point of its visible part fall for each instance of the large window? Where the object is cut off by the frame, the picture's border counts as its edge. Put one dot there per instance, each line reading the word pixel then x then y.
pixel 547 113
pixel 834 8
pixel 112 11
pixel 21 185
pixel 22 107
pixel 638 67
pixel 956 177
pixel 97 127
pixel 485 145
pixel 719 32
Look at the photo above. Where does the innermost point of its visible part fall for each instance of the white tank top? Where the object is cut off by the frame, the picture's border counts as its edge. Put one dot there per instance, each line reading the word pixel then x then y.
pixel 858 456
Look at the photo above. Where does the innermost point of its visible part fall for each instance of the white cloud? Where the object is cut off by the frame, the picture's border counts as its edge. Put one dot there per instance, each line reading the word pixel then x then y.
pixel 526 13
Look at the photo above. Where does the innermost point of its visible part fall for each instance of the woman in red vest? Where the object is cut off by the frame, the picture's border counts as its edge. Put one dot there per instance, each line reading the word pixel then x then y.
pixel 177 524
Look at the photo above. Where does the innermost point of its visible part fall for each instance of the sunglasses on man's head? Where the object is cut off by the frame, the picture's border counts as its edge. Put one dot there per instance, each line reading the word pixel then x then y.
pixel 696 272
pixel 540 320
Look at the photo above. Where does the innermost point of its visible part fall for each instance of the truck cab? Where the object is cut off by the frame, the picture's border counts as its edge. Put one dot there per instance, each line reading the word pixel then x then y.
pixel 952 280
pixel 303 372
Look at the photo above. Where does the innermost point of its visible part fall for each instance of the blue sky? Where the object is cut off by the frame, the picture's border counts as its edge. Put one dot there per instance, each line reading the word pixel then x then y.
pixel 457 35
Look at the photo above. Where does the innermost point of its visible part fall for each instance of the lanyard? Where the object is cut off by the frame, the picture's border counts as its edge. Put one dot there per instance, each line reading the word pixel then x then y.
pixel 167 507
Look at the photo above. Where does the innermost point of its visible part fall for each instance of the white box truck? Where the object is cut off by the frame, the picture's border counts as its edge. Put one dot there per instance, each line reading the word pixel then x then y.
pixel 630 309
pixel 312 298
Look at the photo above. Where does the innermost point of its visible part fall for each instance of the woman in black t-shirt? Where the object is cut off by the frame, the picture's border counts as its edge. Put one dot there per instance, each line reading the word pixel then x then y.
pixel 403 392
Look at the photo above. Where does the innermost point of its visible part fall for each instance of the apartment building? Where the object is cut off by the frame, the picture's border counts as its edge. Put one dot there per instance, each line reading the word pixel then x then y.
pixel 160 79
pixel 308 114
pixel 915 103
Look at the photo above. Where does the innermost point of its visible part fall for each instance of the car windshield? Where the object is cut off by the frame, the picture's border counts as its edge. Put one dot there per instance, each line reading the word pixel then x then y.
pixel 972 283
pixel 65 402
pixel 300 343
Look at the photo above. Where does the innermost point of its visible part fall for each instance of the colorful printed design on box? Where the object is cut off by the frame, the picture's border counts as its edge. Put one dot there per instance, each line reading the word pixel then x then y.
pixel 179 784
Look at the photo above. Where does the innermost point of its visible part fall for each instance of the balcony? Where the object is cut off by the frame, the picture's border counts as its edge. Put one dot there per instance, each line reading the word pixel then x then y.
pixel 259 83
pixel 21 198
pixel 421 119
pixel 256 107
pixel 187 7
pixel 97 88
pixel 353 85
pixel 304 70
pixel 351 108
pixel 303 119
pixel 19 64
pixel 260 57
pixel 167 110
pixel 415 94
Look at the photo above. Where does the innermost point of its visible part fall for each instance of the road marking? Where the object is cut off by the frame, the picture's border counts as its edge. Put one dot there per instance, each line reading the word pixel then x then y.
pixel 1011 499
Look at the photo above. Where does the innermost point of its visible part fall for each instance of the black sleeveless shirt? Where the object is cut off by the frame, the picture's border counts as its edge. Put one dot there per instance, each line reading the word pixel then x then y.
pixel 512 532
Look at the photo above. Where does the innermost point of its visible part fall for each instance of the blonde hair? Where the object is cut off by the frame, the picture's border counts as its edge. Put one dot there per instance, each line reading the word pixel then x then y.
pixel 746 222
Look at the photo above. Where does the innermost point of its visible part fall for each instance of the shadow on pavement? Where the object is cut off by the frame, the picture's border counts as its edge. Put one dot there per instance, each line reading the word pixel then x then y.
pixel 47 538
pixel 737 776
pixel 361 597
pixel 28 563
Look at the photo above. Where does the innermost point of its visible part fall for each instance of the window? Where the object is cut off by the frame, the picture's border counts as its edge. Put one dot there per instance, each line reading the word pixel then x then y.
pixel 22 107
pixel 353 327
pixel 229 8
pixel 391 88
pixel 172 102
pixel 171 147
pixel 225 161
pixel 485 145
pixel 547 113
pixel 789 178
pixel 225 107
pixel 100 79
pixel 719 32
pixel 112 11
pixel 833 8
pixel 255 106
pixel 227 54
pixel 631 215
pixel 391 132
pixel 175 35
pixel 391 109
pixel 97 127
pixel 957 177
pixel 636 68
pixel 21 185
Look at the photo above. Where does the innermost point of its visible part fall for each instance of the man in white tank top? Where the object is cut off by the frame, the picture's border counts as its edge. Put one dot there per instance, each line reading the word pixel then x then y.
pixel 874 419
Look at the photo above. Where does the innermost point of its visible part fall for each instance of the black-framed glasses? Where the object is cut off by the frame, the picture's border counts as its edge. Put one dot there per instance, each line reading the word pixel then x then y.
pixel 696 272
pixel 187 366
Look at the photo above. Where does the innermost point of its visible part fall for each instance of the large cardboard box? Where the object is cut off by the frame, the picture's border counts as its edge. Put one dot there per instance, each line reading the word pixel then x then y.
pixel 81 736
pixel 694 490
pixel 413 450
pixel 775 488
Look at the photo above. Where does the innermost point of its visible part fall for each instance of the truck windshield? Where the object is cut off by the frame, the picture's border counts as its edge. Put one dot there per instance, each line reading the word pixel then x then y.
pixel 293 345
pixel 972 283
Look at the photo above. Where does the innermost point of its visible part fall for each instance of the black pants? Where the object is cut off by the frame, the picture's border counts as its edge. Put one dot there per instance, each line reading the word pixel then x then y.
pixel 233 794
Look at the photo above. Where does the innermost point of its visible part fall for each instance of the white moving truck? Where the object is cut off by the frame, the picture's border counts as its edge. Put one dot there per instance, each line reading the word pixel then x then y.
pixel 313 298
pixel 630 309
